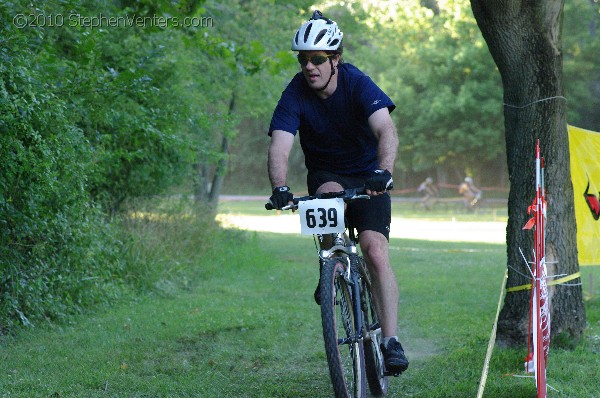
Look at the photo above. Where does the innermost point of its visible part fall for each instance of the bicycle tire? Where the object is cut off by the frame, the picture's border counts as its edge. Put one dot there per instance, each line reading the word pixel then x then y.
pixel 345 352
pixel 374 362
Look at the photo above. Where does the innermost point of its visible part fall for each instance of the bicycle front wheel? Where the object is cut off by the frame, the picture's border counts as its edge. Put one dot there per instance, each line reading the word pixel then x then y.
pixel 343 345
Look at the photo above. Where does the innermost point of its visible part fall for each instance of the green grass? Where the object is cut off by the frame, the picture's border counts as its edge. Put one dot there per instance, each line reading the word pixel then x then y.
pixel 245 325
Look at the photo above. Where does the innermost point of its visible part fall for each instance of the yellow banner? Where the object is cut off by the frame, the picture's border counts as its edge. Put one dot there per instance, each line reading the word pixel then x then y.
pixel 585 174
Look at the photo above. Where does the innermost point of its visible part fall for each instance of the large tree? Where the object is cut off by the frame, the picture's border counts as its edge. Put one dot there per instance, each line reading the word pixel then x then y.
pixel 524 38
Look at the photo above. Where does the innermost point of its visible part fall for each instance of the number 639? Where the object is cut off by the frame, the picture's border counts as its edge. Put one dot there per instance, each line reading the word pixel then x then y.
pixel 324 217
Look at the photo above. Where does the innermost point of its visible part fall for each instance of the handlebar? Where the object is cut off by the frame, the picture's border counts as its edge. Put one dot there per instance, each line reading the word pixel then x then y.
pixel 348 195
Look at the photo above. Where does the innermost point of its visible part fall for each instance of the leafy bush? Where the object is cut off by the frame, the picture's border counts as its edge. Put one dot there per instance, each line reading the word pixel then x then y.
pixel 89 119
pixel 58 255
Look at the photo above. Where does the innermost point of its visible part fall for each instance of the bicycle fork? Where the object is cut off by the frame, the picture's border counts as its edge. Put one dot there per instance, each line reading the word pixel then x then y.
pixel 358 315
pixel 352 278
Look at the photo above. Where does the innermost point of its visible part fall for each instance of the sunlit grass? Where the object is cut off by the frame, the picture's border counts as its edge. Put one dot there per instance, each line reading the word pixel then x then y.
pixel 245 325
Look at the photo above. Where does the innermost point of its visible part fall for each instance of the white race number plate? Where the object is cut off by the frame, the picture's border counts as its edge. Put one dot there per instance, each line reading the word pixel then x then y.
pixel 322 216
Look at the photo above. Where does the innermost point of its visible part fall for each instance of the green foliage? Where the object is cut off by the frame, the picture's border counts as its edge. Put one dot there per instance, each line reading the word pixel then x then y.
pixel 82 125
pixel 259 33
pixel 58 256
pixel 581 43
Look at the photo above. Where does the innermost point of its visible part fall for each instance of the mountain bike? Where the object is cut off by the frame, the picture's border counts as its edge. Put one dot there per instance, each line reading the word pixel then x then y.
pixel 351 329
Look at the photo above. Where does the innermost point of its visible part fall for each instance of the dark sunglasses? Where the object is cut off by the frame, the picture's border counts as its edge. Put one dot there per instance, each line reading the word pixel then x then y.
pixel 316 59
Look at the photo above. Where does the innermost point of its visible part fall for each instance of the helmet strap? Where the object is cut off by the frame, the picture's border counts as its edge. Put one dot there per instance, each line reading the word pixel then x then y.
pixel 330 76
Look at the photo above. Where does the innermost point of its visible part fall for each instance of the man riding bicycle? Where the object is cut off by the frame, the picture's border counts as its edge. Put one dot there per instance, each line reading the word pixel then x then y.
pixel 349 140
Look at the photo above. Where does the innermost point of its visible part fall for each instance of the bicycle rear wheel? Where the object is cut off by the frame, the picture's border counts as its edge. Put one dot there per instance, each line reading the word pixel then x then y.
pixel 374 363
pixel 344 348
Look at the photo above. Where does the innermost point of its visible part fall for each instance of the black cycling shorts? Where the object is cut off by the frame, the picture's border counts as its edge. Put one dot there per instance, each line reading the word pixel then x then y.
pixel 374 214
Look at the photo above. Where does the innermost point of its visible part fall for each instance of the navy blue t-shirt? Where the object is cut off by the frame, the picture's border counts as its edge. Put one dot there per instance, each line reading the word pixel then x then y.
pixel 334 132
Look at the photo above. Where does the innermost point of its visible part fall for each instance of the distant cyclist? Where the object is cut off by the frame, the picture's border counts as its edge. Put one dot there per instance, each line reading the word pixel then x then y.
pixel 429 193
pixel 349 140
pixel 471 194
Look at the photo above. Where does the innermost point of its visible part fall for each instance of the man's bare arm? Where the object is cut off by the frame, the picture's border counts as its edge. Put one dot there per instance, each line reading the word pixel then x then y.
pixel 384 130
pixel 279 153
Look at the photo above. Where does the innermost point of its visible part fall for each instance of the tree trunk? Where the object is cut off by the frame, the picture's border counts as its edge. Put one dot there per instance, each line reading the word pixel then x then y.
pixel 201 186
pixel 221 169
pixel 524 39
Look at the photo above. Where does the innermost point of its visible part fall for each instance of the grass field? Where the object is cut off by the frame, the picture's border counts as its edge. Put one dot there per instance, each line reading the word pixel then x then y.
pixel 246 326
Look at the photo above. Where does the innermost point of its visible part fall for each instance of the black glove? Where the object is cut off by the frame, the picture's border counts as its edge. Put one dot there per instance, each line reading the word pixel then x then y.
pixel 380 180
pixel 281 196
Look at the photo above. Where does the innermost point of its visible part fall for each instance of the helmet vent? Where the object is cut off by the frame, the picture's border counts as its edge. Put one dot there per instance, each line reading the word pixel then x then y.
pixel 320 36
pixel 307 32
pixel 334 42
pixel 296 37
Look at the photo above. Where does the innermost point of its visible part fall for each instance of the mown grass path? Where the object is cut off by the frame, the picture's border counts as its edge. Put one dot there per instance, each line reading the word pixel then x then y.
pixel 248 327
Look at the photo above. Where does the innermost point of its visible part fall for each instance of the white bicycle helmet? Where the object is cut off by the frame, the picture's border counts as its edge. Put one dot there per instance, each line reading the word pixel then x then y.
pixel 318 33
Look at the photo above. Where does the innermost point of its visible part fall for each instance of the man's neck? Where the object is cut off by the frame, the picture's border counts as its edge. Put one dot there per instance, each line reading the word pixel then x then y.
pixel 331 87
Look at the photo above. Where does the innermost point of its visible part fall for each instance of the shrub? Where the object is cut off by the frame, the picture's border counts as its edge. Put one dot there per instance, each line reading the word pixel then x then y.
pixel 57 251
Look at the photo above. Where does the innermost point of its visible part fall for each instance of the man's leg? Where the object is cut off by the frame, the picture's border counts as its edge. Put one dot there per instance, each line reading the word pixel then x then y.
pixel 330 187
pixel 374 247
